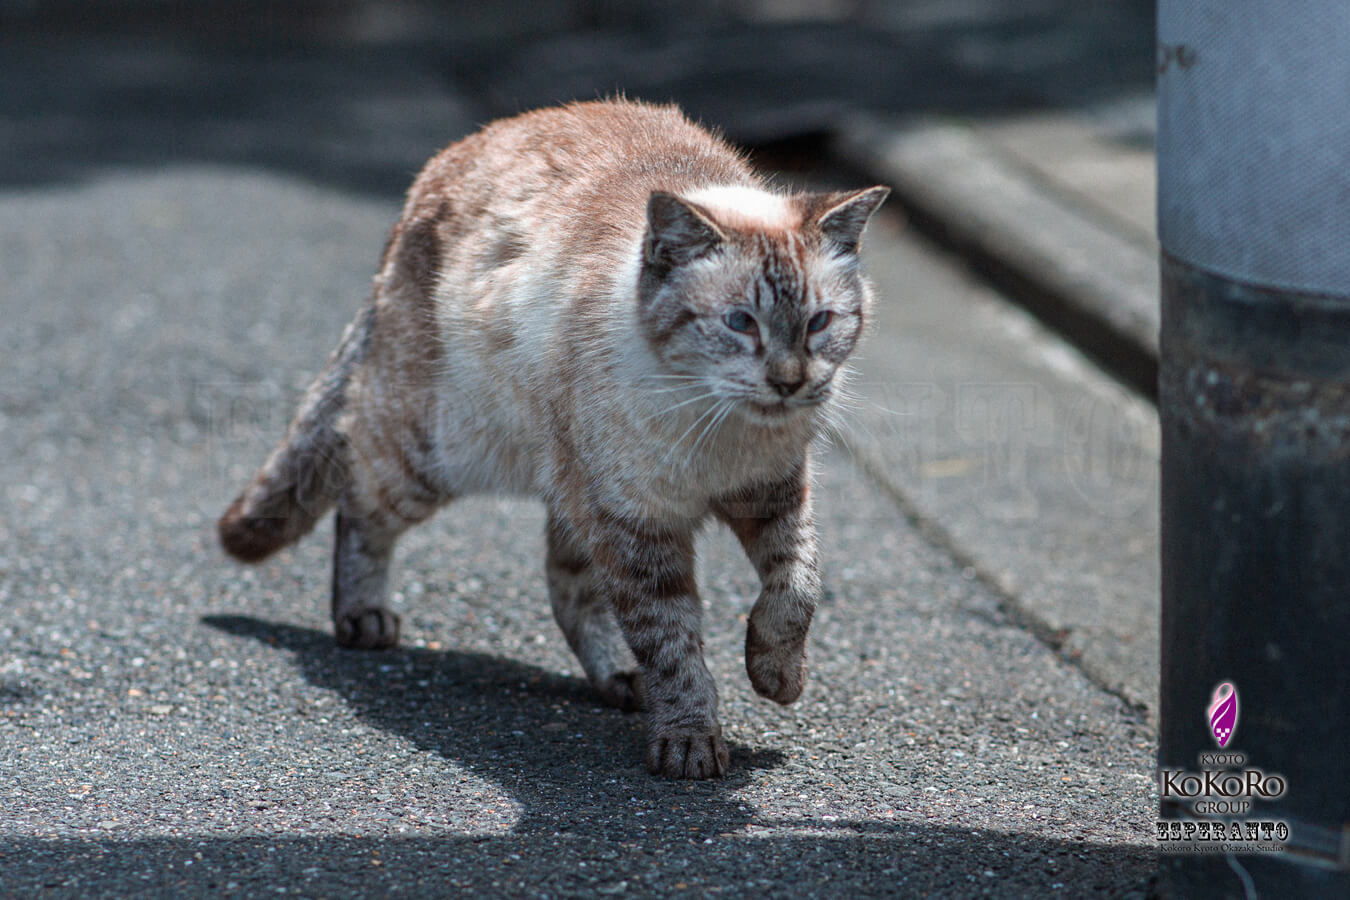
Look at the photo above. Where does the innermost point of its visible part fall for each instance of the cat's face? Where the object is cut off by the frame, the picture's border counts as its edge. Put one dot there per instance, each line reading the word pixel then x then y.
pixel 754 299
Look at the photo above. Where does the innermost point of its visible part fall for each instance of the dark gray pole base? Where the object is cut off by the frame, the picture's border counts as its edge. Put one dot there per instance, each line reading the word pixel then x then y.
pixel 1254 395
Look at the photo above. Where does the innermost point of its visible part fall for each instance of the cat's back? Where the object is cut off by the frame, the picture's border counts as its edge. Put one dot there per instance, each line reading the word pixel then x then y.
pixel 573 179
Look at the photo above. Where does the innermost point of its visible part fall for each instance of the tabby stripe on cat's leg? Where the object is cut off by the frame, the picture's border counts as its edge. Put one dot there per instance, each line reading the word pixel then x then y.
pixel 649 576
pixel 775 526
pixel 587 620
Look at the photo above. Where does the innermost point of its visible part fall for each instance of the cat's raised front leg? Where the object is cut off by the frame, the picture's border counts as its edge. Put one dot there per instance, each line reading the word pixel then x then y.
pixel 774 524
pixel 648 573
pixel 587 619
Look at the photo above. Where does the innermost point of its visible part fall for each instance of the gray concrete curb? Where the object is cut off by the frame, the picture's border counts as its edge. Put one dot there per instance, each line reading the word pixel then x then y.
pixel 1089 276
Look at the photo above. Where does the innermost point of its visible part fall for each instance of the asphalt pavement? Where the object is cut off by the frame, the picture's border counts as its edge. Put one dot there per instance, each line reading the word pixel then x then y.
pixel 174 724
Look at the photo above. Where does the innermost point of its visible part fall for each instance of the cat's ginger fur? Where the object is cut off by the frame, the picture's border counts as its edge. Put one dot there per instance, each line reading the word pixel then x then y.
pixel 602 305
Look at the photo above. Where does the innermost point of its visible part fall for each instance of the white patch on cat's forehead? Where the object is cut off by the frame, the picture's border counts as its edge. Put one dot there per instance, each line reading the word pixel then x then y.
pixel 739 201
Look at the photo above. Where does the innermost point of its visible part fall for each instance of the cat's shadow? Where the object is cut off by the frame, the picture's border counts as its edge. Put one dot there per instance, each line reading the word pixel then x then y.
pixel 541 736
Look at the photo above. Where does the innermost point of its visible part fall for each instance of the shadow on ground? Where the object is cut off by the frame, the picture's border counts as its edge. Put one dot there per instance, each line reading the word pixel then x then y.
pixel 502 720
pixel 850 864
pixel 492 716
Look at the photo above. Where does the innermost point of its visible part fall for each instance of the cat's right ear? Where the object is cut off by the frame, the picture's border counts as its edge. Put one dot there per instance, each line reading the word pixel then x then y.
pixel 678 232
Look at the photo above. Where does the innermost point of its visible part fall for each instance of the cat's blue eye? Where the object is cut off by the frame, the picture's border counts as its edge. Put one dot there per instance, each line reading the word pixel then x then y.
pixel 739 320
pixel 819 321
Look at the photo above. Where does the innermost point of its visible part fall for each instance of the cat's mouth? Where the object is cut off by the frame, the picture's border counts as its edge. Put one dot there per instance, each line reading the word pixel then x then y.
pixel 770 413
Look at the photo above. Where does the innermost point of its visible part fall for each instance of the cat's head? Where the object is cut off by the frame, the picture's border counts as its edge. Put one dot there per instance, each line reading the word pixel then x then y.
pixel 755 297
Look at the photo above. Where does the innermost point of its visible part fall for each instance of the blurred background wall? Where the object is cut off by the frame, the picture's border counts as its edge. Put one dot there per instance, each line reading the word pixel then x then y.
pixel 153 80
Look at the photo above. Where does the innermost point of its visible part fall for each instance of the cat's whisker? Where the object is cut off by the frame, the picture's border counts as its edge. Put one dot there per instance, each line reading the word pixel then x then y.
pixel 841 386
pixel 675 389
pixel 845 403
pixel 846 424
pixel 878 407
pixel 675 444
pixel 834 430
pixel 683 383
pixel 712 427
pixel 695 379
pixel 834 419
pixel 670 409
pixel 818 396
pixel 843 379
pixel 827 436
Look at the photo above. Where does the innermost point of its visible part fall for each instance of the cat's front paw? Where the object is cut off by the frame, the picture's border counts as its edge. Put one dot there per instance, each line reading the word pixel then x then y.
pixel 622 690
pixel 687 752
pixel 777 670
pixel 373 628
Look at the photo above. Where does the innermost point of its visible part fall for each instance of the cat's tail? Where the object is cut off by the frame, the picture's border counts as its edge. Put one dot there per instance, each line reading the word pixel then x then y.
pixel 308 470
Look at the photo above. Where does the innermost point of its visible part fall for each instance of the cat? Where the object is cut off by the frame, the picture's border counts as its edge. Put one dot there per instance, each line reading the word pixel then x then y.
pixel 600 304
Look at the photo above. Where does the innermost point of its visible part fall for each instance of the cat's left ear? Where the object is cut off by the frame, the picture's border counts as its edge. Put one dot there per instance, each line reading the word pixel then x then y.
pixel 844 216
pixel 678 232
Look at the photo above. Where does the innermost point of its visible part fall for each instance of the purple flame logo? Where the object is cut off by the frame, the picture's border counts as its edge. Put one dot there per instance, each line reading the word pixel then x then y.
pixel 1223 712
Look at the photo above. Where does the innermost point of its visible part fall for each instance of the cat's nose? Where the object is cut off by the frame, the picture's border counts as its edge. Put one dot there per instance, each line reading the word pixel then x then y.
pixel 785 385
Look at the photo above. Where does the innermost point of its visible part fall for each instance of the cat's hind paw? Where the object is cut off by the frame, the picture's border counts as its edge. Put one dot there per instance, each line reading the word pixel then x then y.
pixel 688 753
pixel 622 690
pixel 372 628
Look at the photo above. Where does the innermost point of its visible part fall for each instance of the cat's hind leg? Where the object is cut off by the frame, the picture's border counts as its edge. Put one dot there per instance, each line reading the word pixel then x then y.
pixel 362 618
pixel 391 490
pixel 587 620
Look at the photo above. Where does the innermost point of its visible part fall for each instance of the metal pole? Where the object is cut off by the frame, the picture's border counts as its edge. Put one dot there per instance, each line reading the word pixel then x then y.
pixel 1254 395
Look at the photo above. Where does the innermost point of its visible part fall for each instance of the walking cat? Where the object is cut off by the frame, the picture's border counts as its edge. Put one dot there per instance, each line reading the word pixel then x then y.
pixel 601 305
